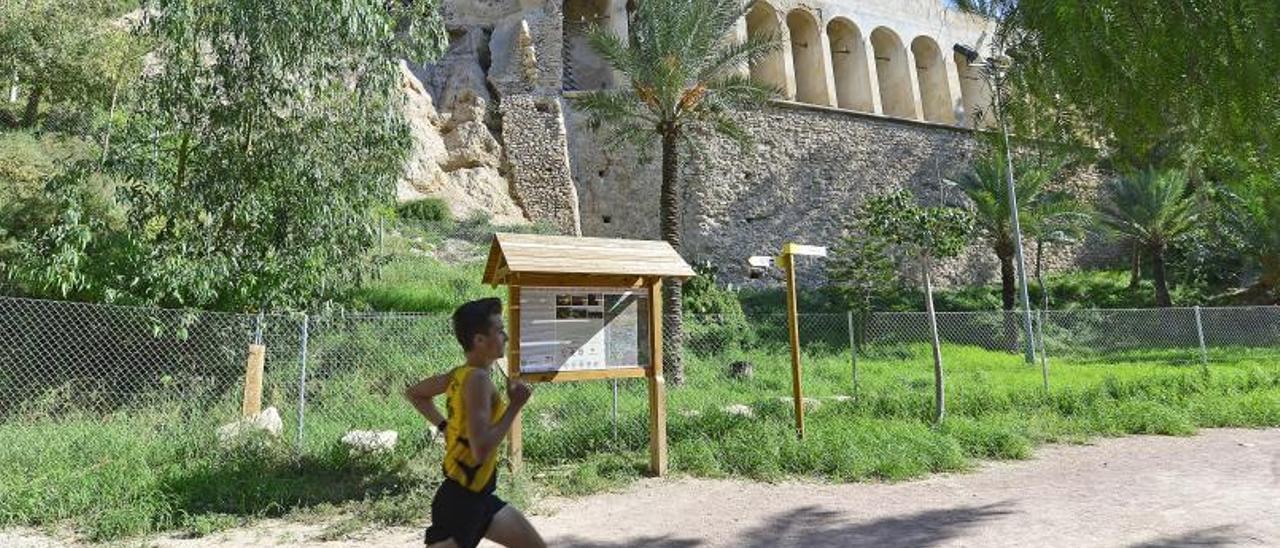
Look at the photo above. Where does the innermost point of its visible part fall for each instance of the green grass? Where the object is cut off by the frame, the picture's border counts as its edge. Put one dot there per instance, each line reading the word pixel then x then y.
pixel 425 285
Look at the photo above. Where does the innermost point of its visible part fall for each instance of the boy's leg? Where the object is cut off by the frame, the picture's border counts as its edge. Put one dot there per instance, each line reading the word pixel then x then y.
pixel 510 528
pixel 444 544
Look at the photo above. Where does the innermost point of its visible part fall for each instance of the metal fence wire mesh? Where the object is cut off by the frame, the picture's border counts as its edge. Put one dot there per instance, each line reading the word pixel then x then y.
pixel 332 373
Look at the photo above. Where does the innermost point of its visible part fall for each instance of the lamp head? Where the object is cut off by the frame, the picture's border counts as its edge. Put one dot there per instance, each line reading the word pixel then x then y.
pixel 970 54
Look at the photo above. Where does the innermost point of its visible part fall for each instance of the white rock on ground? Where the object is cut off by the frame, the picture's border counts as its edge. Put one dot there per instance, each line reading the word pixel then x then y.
pixel 267 421
pixel 740 410
pixel 809 403
pixel 368 442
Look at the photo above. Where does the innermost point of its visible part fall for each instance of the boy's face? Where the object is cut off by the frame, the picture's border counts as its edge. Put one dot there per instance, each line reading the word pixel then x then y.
pixel 491 344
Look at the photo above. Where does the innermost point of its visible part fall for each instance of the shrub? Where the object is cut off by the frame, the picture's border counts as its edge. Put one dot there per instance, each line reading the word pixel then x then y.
pixel 426 210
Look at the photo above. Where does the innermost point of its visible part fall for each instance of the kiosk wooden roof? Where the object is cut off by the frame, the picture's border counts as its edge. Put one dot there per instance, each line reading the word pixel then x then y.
pixel 537 260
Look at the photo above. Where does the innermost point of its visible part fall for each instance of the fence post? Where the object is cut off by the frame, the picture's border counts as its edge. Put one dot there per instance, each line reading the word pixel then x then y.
pixel 302 379
pixel 853 352
pixel 1044 354
pixel 257 329
pixel 1204 352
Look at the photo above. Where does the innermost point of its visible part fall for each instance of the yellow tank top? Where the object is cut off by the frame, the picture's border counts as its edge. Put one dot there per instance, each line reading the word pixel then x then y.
pixel 459 463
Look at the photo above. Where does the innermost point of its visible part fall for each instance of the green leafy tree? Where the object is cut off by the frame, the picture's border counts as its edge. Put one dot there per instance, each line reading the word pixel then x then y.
pixel 925 234
pixel 1154 81
pixel 1261 213
pixel 1153 209
pixel 255 154
pixel 862 271
pixel 66 52
pixel 685 78
pixel 1189 84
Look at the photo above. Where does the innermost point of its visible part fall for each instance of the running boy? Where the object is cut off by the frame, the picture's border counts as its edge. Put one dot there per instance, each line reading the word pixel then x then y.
pixel 465 508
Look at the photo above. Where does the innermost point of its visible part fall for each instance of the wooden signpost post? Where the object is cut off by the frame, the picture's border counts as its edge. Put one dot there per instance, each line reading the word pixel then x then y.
pixel 584 309
pixel 787 262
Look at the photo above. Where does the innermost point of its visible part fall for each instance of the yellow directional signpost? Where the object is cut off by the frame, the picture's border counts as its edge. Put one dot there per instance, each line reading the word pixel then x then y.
pixel 787 261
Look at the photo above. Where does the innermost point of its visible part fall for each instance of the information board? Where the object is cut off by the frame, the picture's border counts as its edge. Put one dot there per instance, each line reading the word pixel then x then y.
pixel 579 329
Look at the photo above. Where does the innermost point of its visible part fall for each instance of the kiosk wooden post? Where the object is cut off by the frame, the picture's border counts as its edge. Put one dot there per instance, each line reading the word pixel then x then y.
pixel 623 269
pixel 657 386
pixel 515 445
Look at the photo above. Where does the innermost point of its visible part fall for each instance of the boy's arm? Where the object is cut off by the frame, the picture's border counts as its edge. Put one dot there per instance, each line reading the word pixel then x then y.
pixel 422 396
pixel 485 437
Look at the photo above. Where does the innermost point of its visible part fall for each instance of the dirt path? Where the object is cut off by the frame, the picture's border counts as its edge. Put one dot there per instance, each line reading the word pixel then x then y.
pixel 1220 488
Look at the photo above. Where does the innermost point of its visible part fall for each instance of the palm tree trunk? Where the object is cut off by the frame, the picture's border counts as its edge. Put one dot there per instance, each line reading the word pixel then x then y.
pixel 1135 267
pixel 1158 273
pixel 1008 286
pixel 1008 298
pixel 669 220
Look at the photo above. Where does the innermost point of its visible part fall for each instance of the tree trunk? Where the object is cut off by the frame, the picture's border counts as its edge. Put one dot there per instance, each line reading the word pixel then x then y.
pixel 32 112
pixel 1008 285
pixel 1158 273
pixel 1135 267
pixel 669 220
pixel 939 388
pixel 1008 297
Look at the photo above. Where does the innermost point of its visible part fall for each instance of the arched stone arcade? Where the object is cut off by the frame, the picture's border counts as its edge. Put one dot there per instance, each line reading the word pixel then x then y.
pixel 931 78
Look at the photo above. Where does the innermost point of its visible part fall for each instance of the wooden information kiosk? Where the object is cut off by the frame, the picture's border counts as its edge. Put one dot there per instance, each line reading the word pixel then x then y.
pixel 581 309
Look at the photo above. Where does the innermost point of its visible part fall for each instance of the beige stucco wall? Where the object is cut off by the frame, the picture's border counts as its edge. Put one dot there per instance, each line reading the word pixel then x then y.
pixel 898 24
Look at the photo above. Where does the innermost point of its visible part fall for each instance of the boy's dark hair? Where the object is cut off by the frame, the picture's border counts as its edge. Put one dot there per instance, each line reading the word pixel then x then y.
pixel 473 319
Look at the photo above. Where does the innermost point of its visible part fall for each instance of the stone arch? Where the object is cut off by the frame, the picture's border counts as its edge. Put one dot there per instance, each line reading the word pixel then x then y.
pixel 583 69
pixel 849 63
pixel 808 58
pixel 892 68
pixel 931 76
pixel 975 95
pixel 763 20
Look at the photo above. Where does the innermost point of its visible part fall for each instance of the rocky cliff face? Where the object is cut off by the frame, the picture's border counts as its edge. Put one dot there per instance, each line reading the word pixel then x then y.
pixel 488 131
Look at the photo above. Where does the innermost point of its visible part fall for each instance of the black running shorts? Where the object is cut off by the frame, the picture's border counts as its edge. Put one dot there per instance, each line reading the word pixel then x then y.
pixel 461 515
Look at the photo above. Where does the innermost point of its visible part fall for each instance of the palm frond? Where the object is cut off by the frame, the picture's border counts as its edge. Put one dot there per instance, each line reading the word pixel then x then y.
pixel 612 107
pixel 613 49
pixel 739 91
pixel 1150 207
pixel 682 60
pixel 734 55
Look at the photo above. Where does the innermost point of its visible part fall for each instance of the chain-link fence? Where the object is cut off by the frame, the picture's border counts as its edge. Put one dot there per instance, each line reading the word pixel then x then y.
pixel 329 374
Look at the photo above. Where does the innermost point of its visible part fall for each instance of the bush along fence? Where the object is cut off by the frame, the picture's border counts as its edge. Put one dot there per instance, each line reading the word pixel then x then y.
pixel 328 375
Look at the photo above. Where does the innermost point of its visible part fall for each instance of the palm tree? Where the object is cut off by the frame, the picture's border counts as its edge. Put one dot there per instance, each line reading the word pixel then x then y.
pixel 1152 209
pixel 985 184
pixel 1055 218
pixel 685 75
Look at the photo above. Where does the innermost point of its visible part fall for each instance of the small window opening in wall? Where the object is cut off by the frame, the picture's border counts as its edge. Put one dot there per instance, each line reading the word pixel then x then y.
pixel 606 219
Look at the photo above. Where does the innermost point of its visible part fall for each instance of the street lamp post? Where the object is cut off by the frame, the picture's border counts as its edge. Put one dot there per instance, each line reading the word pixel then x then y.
pixel 993 70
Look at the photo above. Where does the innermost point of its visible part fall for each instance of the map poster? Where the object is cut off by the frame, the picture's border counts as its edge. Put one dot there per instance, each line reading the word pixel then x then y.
pixel 579 329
